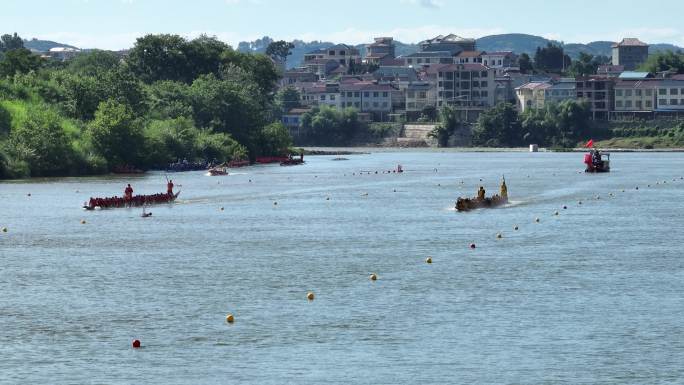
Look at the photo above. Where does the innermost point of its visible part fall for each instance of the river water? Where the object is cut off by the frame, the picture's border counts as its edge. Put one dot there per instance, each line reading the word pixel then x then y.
pixel 592 295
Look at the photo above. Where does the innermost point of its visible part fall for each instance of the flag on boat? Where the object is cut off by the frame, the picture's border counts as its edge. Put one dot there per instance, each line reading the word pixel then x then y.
pixel 590 143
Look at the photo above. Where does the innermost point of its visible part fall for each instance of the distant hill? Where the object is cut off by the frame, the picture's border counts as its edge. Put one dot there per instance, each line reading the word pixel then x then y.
pixel 44 45
pixel 516 42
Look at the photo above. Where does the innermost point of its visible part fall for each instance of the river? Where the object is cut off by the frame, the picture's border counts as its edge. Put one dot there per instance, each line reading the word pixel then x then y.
pixel 594 294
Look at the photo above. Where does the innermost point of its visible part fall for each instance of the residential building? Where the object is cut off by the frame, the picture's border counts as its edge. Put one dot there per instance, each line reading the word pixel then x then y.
pixel 561 90
pixel 630 53
pixel 450 43
pixel 380 52
pixel 531 95
pixel 321 94
pixel 670 95
pixel 419 94
pixel 322 68
pixel 297 76
pixel 465 85
pixel 318 61
pixel 635 95
pixel 610 70
pixel 293 120
pixel 418 59
pixel 468 57
pixel 395 74
pixel 370 97
pixel 501 61
pixel 598 91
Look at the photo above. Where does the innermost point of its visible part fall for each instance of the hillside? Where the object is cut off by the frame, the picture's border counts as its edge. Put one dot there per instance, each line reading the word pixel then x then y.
pixel 44 45
pixel 516 42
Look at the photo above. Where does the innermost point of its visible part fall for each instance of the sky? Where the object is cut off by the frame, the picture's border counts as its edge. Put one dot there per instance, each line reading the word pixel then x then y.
pixel 115 24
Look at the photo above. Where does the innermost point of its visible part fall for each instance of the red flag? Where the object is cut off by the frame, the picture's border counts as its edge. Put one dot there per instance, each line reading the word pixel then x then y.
pixel 590 143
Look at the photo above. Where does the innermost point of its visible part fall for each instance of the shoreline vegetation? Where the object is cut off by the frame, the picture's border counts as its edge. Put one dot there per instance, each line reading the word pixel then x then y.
pixel 171 99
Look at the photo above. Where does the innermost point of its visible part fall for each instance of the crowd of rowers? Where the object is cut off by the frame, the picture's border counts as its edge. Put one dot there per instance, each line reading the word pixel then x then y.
pixel 129 199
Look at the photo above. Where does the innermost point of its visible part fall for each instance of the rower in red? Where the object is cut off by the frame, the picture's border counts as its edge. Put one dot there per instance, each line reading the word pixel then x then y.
pixel 128 192
pixel 169 187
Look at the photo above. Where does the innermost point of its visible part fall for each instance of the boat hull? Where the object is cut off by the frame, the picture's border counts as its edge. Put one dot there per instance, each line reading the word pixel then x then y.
pixel 467 204
pixel 136 201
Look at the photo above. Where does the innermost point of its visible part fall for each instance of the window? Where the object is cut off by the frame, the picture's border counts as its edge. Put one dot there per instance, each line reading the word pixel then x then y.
pixel 427 61
pixel 422 95
pixel 628 104
pixel 638 104
pixel 357 104
pixel 365 104
pixel 485 62
pixel 637 92
pixel 649 104
pixel 476 74
pixel 342 53
pixel 628 93
pixel 618 92
pixel 409 61
pixel 385 94
pixel 331 53
pixel 419 61
pixel 649 92
pixel 322 97
pixel 662 102
pixel 349 94
pixel 465 85
pixel 450 76
pixel 662 91
pixel 484 94
pixel 483 84
pixel 376 94
pixel 411 94
pixel 618 103
pixel 349 104
pixel 484 74
pixel 384 104
pixel 440 84
pixel 332 97
pixel 673 102
pixel 465 75
pixel 581 95
pixel 476 84
pixel 499 61
pixel 375 104
pixel 674 91
pixel 366 94
pixel 357 94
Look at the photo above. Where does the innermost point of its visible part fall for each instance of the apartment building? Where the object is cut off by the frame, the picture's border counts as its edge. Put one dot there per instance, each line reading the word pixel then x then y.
pixel 670 95
pixel 465 85
pixel 630 53
pixel 598 92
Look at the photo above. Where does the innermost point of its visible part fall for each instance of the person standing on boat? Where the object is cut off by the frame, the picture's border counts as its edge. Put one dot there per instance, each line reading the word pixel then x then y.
pixel 481 193
pixel 128 192
pixel 504 190
pixel 169 187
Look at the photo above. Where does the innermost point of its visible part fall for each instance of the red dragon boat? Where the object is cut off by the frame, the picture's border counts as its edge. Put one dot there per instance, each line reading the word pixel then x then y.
pixel 135 201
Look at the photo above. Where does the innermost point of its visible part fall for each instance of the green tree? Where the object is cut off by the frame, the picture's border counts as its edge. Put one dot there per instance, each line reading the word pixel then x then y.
pixel 10 42
pixel 116 134
pixel 551 58
pixel 275 140
pixel 449 121
pixel 288 98
pixel 93 63
pixel 498 126
pixel 160 57
pixel 41 141
pixel 19 61
pixel 525 63
pixel 664 61
pixel 279 50
pixel 5 122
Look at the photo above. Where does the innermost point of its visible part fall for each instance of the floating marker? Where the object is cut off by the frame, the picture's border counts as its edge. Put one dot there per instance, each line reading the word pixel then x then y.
pixel 536 220
pixel 428 260
pixel 565 207
pixel 275 203
pixel 556 213
pixel 4 229
pixel 310 296
pixel 499 236
pixel 374 277
pixel 221 208
pixel 136 343
pixel 515 228
pixel 229 318
pixel 472 245
pixel 83 222
pixel 29 194
pixel 579 203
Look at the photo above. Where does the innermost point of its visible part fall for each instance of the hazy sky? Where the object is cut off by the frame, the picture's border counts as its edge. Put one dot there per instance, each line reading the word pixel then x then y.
pixel 114 24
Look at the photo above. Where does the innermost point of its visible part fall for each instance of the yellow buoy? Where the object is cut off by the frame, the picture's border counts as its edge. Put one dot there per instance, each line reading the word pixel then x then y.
pixel 230 319
pixel 428 260
pixel 310 296
pixel 374 277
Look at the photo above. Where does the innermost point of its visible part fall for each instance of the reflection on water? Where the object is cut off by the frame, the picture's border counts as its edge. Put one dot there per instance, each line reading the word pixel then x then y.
pixel 591 295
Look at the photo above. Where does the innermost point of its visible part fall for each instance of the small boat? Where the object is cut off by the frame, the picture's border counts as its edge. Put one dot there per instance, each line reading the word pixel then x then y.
pixel 271 159
pixel 479 202
pixel 218 171
pixel 238 163
pixel 597 161
pixel 292 161
pixel 135 201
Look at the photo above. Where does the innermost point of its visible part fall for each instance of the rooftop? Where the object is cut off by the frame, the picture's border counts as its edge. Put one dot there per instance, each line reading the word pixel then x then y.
pixel 470 54
pixel 634 75
pixel 429 54
pixel 630 42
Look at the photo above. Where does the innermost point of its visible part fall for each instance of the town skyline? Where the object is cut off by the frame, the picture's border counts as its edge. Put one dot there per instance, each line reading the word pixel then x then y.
pixel 80 22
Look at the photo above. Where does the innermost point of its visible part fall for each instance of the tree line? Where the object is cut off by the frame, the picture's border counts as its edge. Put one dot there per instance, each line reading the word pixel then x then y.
pixel 169 98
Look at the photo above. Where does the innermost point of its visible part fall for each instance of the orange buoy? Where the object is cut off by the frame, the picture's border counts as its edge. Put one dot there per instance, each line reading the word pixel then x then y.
pixel 229 318
pixel 374 277
pixel 136 343
pixel 310 296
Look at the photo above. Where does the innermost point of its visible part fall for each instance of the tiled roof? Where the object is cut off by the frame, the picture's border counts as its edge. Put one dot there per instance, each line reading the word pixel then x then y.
pixel 429 54
pixel 498 53
pixel 534 86
pixel 469 54
pixel 630 42
pixel 642 84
